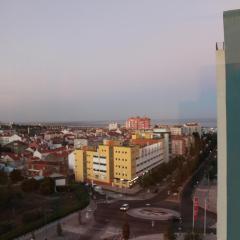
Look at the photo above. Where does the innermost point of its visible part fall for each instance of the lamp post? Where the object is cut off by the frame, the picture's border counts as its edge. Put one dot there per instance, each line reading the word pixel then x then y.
pixel 122 184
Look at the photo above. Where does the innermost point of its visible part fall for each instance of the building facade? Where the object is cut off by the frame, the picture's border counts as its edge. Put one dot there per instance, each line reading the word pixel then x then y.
pixel 180 145
pixel 190 128
pixel 138 123
pixel 113 126
pixel 118 165
pixel 228 86
pixel 8 138
pixel 166 135
pixel 176 130
pixel 80 142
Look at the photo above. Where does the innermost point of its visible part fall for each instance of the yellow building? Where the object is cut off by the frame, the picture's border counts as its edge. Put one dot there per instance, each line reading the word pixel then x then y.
pixel 100 165
pixel 125 165
pixel 94 166
pixel 142 134
pixel 118 166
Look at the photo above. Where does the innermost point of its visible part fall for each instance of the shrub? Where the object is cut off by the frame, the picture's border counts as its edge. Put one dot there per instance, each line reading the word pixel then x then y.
pixel 3 177
pixel 31 216
pixel 16 176
pixel 47 186
pixel 30 185
pixel 6 227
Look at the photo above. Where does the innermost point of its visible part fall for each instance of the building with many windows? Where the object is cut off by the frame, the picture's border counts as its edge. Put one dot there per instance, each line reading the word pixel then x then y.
pixel 176 130
pixel 113 126
pixel 180 145
pixel 138 123
pixel 190 128
pixel 118 165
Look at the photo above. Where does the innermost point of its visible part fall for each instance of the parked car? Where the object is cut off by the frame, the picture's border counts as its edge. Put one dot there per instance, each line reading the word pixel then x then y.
pixel 124 207
pixel 177 219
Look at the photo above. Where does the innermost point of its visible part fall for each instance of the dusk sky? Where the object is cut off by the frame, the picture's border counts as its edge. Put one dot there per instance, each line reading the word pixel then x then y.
pixel 96 60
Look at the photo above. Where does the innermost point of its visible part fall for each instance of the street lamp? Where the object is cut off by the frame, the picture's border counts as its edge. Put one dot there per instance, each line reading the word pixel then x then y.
pixel 122 184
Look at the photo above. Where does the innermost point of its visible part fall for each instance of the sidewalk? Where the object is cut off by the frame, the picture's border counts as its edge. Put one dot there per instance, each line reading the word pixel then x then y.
pixel 128 191
pixel 204 192
pixel 141 195
pixel 160 236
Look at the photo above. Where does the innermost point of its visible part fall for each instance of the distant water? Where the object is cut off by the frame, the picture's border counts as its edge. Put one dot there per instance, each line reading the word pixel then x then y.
pixel 203 122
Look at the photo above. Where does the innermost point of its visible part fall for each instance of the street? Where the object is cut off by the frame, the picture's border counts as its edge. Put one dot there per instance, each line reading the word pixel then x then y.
pixel 107 219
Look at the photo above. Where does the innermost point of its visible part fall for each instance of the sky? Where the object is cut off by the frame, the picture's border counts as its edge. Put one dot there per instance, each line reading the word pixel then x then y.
pixel 87 60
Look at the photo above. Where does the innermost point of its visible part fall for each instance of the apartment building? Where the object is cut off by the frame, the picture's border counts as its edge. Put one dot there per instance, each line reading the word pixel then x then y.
pixel 118 165
pixel 176 130
pixel 166 135
pixel 180 145
pixel 113 126
pixel 138 123
pixel 124 171
pixel 190 128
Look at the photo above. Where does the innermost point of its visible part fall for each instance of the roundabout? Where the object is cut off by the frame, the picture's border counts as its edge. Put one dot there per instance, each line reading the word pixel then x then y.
pixel 152 213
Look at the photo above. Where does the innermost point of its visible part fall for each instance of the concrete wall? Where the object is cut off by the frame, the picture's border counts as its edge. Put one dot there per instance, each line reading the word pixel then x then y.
pixel 222 142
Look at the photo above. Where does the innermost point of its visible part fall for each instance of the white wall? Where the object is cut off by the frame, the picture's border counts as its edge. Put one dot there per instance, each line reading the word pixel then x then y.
pixel 8 139
pixel 78 143
pixel 149 157
pixel 37 154
pixel 71 161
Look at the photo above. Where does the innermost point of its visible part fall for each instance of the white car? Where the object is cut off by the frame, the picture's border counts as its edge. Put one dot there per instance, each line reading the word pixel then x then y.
pixel 124 207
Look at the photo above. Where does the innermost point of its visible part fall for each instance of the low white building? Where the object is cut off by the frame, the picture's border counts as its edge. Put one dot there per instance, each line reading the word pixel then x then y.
pixel 5 139
pixel 80 142
pixel 37 154
pixel 113 126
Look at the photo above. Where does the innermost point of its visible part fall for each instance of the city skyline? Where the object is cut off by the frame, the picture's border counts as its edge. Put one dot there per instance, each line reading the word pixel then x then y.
pixel 86 61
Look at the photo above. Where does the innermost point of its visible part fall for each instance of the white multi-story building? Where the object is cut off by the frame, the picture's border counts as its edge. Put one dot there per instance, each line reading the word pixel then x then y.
pixel 190 128
pixel 149 157
pixel 71 160
pixel 113 126
pixel 166 135
pixel 176 130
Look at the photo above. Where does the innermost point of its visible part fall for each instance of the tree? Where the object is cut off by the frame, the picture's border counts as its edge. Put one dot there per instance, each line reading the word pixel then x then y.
pixel 16 176
pixel 32 216
pixel 30 185
pixel 47 186
pixel 193 236
pixel 59 229
pixel 3 178
pixel 125 231
pixel 6 226
pixel 169 234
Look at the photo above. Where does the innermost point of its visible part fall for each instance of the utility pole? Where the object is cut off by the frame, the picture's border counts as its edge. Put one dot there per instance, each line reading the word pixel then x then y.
pixel 193 215
pixel 205 216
